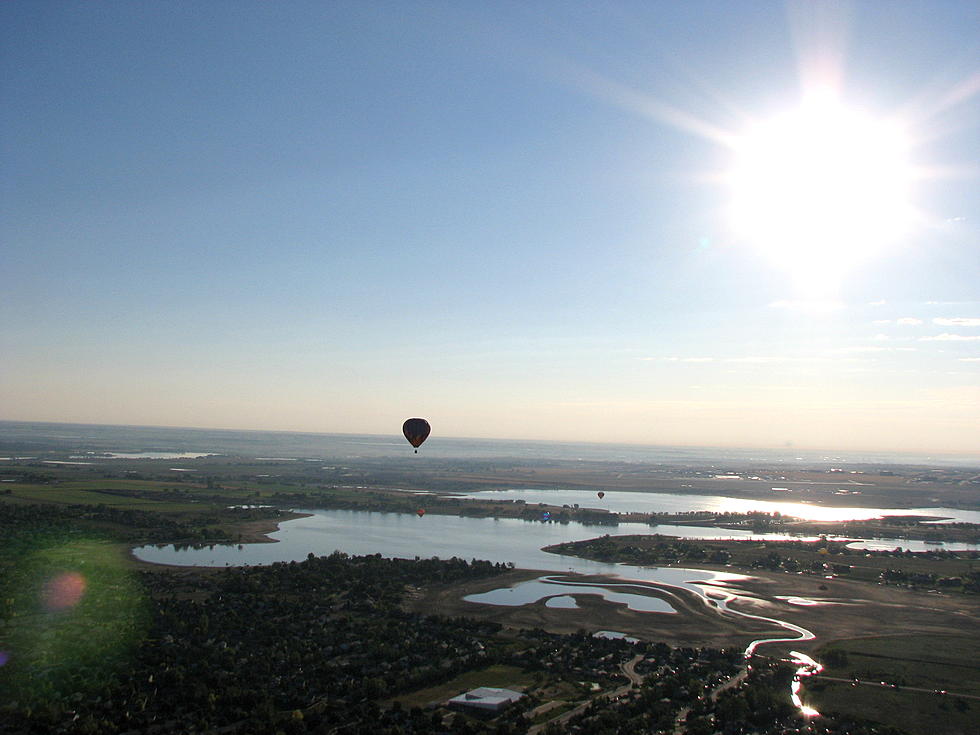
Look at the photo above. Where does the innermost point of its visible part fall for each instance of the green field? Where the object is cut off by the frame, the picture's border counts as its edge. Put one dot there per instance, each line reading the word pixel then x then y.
pixel 79 495
pixel 69 605
pixel 919 662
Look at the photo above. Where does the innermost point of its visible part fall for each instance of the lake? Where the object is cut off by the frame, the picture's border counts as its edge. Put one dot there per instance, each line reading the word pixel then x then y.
pixel 407 536
pixel 618 501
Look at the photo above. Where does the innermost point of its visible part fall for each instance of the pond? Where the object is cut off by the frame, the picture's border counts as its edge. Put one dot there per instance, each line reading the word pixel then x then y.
pixel 619 501
pixel 549 588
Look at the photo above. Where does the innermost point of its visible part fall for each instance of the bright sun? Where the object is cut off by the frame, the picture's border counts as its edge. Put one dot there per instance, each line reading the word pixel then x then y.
pixel 821 188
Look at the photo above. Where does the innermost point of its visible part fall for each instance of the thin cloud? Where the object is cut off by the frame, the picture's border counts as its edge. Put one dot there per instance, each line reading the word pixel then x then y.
pixel 957 322
pixel 946 337
pixel 970 359
pixel 813 307
pixel 909 321
pixel 882 302
pixel 768 359
pixel 845 350
pixel 881 322
pixel 677 359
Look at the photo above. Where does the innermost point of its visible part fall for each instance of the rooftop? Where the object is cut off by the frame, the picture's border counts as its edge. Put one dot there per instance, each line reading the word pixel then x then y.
pixel 486 698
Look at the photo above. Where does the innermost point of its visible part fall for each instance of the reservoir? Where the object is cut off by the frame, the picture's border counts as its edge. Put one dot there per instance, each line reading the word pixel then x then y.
pixel 619 501
pixel 507 540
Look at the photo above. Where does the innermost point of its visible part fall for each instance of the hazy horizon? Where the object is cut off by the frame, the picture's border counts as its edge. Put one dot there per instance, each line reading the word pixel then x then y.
pixel 869 455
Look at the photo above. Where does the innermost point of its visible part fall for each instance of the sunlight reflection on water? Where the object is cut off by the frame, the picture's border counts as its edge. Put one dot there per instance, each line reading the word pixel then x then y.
pixel 618 501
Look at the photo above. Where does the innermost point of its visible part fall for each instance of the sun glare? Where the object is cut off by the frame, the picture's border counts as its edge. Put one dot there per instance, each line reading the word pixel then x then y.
pixel 821 188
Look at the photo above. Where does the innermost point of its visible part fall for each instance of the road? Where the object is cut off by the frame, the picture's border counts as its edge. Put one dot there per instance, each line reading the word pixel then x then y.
pixel 629 668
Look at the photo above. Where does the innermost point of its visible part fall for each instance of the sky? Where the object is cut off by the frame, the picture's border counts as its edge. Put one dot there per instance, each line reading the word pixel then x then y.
pixel 522 220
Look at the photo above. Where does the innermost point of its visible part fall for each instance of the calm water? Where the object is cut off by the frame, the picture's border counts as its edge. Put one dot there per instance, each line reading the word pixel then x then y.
pixel 643 502
pixel 407 536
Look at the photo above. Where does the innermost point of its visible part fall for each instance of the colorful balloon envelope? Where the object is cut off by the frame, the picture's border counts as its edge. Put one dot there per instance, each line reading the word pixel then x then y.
pixel 420 512
pixel 416 431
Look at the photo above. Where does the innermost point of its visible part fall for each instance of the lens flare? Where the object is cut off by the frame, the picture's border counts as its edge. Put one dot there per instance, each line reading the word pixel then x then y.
pixel 64 591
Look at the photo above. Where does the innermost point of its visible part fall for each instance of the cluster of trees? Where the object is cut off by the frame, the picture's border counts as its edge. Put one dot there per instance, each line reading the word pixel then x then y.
pixel 655 550
pixel 365 500
pixel 969 582
pixel 814 557
pixel 300 647
pixel 21 523
pixel 577 656
pixel 775 561
pixel 32 477
pixel 676 679
pixel 567 514
pixel 676 697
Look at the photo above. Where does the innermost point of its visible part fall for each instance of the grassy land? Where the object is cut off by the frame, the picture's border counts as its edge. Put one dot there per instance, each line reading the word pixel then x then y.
pixel 94 495
pixel 71 604
pixel 508 677
pixel 915 662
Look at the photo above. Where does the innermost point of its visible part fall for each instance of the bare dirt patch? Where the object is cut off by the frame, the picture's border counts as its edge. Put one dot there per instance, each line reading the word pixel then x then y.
pixel 848 610
pixel 694 624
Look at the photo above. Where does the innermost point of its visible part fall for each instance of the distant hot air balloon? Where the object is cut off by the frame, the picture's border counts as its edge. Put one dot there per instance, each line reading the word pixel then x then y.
pixel 416 431
pixel 601 494
pixel 420 512
pixel 546 516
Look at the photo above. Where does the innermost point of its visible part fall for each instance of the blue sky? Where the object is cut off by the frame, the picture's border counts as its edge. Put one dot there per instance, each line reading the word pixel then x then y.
pixel 505 217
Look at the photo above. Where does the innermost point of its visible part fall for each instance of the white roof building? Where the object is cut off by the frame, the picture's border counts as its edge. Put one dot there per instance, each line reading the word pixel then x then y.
pixel 489 699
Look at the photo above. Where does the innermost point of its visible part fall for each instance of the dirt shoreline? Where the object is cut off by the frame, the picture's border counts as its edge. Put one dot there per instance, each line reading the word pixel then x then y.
pixel 846 610
pixel 248 532
pixel 257 532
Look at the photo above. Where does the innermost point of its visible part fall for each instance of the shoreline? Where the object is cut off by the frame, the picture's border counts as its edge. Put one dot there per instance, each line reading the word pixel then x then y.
pixel 250 532
pixel 845 610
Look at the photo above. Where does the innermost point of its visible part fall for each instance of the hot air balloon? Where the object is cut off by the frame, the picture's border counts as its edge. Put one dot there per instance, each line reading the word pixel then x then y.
pixel 546 516
pixel 416 431
pixel 420 512
pixel 601 494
